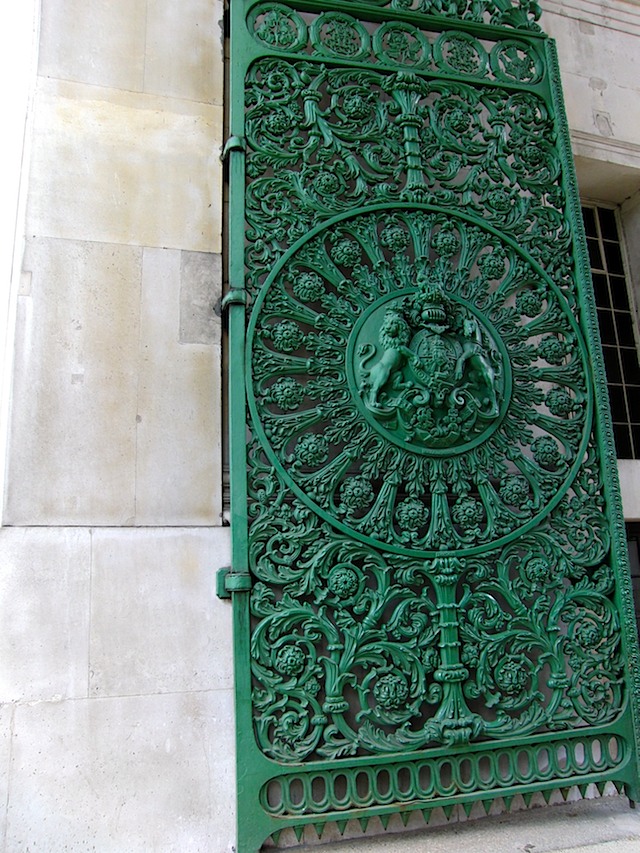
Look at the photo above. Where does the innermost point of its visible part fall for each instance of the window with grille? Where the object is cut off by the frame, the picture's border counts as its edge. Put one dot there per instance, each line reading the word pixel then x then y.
pixel 617 327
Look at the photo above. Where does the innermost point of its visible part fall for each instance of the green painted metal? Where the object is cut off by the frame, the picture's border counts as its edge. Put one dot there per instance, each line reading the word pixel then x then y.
pixel 429 578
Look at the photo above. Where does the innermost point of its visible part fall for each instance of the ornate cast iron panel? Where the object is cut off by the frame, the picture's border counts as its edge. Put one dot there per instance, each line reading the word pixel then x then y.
pixel 430 592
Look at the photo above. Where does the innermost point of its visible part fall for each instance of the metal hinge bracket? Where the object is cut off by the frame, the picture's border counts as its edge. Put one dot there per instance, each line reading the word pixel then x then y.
pixel 228 582
pixel 233 143
pixel 235 296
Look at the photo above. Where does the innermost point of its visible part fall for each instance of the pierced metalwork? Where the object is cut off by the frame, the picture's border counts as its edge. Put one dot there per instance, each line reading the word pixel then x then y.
pixel 424 502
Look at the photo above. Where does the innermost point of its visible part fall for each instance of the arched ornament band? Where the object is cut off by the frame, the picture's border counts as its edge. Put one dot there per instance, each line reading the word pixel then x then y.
pixel 487 348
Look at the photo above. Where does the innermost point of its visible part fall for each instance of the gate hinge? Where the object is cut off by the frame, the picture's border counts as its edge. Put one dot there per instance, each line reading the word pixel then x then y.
pixel 235 296
pixel 228 581
pixel 233 143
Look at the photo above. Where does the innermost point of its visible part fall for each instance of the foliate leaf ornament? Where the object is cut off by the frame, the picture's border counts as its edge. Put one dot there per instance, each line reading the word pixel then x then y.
pixel 430 588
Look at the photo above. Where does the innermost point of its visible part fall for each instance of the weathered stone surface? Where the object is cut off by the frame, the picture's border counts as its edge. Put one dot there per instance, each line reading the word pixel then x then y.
pixel 600 179
pixel 94 42
pixel 629 472
pixel 600 826
pixel 44 613
pixel 145 774
pixel 156 624
pixel 113 421
pixel 200 297
pixel 72 442
pixel 606 112
pixel 161 47
pixel 147 167
pixel 599 68
pixel 178 464
pixel 184 51
pixel 6 721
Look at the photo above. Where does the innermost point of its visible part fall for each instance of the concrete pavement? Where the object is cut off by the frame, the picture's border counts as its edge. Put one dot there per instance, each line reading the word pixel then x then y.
pixel 604 825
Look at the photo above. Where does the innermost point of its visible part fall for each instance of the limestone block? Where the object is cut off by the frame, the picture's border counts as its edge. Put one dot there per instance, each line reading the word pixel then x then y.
pixel 178 466
pixel 94 42
pixel 120 167
pixel 629 473
pixel 6 723
pixel 600 53
pixel 156 624
pixel 44 613
pixel 72 443
pixel 200 298
pixel 145 774
pixel 599 178
pixel 115 420
pixel 184 49
pixel 600 68
pixel 610 116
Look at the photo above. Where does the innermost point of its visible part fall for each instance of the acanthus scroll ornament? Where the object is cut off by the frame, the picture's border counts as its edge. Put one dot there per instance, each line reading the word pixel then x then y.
pixel 417 381
pixel 427 515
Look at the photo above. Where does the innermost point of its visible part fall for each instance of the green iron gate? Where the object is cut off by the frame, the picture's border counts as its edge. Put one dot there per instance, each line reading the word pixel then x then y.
pixel 430 591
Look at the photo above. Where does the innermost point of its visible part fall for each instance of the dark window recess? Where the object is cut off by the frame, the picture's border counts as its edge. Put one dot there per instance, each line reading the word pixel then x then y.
pixel 617 328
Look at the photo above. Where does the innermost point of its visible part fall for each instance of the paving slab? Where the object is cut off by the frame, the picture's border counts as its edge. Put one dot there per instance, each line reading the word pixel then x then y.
pixel 606 825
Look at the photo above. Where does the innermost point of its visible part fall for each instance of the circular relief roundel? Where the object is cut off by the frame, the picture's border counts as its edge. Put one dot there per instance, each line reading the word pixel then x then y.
pixel 428 371
pixel 417 380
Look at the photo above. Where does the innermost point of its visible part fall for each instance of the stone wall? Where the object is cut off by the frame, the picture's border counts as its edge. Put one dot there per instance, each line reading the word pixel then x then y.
pixel 117 710
pixel 116 714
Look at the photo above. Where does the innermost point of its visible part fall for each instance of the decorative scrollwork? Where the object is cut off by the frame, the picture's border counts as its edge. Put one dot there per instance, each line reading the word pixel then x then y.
pixel 335 35
pixel 279 27
pixel 515 13
pixel 429 537
pixel 513 61
pixel 338 35
pixel 324 140
pixel 401 44
pixel 358 652
pixel 441 353
pixel 461 53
